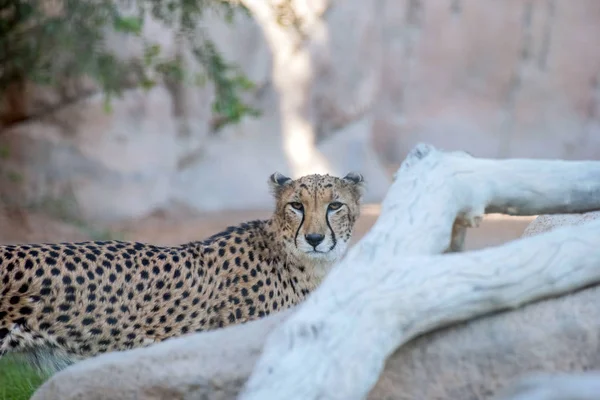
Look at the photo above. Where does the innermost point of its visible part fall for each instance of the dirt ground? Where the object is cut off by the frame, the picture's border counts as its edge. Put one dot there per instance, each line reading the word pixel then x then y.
pixel 173 227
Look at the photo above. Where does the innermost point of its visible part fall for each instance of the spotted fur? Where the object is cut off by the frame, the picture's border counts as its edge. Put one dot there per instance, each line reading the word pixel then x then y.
pixel 69 301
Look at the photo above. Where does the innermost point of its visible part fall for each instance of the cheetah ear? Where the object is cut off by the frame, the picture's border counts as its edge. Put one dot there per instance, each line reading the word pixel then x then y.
pixel 277 180
pixel 356 179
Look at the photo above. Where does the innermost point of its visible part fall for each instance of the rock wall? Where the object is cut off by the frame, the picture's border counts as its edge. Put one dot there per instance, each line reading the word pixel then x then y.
pixel 361 84
pixel 501 79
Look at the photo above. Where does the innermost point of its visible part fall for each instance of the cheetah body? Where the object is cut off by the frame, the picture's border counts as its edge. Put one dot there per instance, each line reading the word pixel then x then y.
pixel 63 302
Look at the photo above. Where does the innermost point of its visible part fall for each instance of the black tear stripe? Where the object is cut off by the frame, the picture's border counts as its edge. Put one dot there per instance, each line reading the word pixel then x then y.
pixel 332 232
pixel 298 230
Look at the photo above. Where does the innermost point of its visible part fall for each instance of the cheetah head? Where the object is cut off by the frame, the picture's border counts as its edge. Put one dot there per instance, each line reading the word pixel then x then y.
pixel 315 214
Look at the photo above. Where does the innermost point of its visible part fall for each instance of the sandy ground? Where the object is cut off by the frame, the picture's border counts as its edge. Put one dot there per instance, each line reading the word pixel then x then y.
pixel 173 227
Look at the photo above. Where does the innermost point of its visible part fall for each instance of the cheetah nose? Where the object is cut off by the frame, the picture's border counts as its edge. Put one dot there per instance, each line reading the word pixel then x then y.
pixel 314 239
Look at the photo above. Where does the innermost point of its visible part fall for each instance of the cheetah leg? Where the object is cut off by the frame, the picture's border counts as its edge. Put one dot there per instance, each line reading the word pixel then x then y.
pixel 35 350
pixel 48 360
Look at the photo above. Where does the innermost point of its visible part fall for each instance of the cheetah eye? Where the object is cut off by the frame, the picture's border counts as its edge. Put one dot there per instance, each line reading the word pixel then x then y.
pixel 336 205
pixel 297 206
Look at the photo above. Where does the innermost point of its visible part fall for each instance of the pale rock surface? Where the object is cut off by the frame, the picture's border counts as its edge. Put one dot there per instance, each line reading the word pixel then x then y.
pixel 103 164
pixel 475 359
pixel 497 79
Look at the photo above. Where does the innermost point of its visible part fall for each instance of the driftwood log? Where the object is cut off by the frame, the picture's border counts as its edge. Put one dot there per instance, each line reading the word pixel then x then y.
pixel 393 286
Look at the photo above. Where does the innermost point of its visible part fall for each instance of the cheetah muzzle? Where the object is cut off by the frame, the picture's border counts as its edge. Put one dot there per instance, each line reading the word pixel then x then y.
pixel 60 303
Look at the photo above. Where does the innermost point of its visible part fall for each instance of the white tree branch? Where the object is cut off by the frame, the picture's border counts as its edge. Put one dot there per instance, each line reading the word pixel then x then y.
pixel 393 285
pixel 335 345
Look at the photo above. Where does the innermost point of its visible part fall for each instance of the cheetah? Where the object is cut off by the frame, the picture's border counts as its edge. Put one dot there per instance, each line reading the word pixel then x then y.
pixel 61 303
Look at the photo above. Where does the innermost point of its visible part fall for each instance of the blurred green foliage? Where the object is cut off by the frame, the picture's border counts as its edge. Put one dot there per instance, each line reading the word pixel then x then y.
pixel 48 41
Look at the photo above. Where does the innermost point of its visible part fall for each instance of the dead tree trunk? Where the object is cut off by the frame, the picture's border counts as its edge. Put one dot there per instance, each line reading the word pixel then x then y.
pixel 393 285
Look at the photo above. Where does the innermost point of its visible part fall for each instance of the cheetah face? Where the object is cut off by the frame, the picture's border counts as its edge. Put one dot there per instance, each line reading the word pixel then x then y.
pixel 316 214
